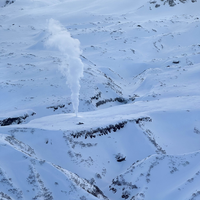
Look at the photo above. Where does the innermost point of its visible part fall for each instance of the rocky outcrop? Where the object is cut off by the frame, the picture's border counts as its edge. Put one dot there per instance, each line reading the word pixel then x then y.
pixel 15 120
pixel 108 129
pixel 8 2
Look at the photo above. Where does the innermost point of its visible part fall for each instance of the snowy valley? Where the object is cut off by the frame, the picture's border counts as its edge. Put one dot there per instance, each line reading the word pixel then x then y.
pixel 137 133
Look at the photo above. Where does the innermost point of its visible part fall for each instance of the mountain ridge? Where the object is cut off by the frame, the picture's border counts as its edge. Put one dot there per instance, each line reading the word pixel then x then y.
pixel 137 132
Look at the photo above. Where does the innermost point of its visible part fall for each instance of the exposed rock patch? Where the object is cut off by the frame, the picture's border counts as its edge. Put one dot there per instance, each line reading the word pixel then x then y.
pixel 15 120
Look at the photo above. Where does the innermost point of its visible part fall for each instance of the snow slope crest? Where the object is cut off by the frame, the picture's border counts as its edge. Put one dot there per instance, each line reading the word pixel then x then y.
pixel 137 133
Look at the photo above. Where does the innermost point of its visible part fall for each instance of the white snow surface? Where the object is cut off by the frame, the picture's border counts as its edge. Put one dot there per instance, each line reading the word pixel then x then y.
pixel 137 133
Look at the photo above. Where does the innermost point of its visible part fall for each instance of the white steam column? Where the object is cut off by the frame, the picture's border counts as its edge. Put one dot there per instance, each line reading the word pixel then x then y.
pixel 72 66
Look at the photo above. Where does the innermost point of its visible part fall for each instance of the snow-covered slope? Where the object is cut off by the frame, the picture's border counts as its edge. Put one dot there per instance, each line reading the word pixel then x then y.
pixel 137 134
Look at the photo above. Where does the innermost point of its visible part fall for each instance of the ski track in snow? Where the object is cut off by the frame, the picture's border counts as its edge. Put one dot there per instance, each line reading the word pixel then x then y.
pixel 137 134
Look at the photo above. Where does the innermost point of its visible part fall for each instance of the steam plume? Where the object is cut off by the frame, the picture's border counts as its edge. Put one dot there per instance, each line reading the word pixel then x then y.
pixel 72 66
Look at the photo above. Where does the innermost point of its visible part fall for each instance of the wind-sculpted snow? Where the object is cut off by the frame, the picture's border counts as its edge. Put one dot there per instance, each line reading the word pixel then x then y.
pixel 39 178
pixel 166 174
pixel 137 133
pixel 36 150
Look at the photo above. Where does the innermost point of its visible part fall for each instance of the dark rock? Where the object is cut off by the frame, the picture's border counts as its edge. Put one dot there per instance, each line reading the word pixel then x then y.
pixel 80 123
pixel 117 99
pixel 99 131
pixel 56 107
pixel 171 2
pixel 121 159
pixel 14 120
pixel 96 97
pixel 176 62
pixel 152 2
pixel 145 119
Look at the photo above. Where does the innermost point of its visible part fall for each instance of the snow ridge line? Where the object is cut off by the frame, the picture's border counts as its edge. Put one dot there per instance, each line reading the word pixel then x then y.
pixel 108 129
pixel 78 181
pixel 84 184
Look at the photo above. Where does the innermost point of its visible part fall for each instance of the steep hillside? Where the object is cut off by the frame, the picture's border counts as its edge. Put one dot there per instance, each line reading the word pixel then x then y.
pixel 137 133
